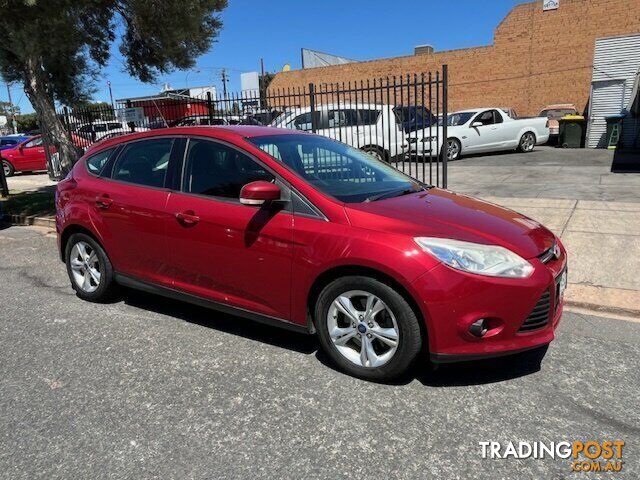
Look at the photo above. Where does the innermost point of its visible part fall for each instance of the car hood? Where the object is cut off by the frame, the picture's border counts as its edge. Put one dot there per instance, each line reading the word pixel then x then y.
pixel 441 213
pixel 8 151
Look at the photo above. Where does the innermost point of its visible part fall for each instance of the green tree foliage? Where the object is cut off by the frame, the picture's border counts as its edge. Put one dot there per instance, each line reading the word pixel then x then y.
pixel 56 48
pixel 27 122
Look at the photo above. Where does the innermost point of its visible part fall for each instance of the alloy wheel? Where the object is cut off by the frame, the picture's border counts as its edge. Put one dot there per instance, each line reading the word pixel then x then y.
pixel 375 154
pixel 528 142
pixel 6 168
pixel 363 328
pixel 85 267
pixel 453 150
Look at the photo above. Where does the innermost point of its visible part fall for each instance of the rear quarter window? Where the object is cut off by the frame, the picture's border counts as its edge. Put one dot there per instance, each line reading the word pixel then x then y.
pixel 95 163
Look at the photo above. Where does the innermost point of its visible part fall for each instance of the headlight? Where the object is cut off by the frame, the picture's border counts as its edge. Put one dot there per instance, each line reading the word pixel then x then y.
pixel 490 260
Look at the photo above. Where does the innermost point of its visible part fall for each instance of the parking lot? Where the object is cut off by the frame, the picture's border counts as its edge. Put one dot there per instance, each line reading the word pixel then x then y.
pixel 546 172
pixel 148 387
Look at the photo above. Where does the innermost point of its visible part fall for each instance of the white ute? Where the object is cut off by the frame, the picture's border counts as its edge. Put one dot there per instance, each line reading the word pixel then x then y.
pixel 481 130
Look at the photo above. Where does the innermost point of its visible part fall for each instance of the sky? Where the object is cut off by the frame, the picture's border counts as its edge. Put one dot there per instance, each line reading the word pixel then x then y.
pixel 275 30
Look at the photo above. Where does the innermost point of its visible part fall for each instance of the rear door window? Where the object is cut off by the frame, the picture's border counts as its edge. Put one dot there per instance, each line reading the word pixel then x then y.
pixel 144 162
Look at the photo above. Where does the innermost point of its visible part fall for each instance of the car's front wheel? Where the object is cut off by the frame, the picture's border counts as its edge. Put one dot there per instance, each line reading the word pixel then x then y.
pixel 367 328
pixel 8 168
pixel 89 269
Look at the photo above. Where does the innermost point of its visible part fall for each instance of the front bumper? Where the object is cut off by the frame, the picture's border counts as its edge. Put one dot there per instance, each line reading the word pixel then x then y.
pixel 451 301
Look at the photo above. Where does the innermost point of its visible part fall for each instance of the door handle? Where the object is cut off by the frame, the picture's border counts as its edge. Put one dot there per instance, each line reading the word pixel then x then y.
pixel 187 218
pixel 104 201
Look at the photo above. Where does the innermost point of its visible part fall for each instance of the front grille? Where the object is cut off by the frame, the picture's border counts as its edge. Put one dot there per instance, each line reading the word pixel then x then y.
pixel 539 316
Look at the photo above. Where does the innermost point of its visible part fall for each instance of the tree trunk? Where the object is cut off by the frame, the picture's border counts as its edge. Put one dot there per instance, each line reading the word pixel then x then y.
pixel 42 101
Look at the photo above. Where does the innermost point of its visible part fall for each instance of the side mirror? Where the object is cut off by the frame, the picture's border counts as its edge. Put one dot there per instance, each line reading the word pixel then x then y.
pixel 476 124
pixel 257 193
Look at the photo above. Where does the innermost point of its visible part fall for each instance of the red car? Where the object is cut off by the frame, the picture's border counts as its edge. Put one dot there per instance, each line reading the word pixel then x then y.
pixel 300 231
pixel 30 155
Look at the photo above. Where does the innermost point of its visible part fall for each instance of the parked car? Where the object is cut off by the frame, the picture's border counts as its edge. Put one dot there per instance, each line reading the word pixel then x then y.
pixel 553 113
pixel 96 130
pixel 30 155
pixel 193 120
pixel 482 130
pixel 11 141
pixel 300 231
pixel 379 130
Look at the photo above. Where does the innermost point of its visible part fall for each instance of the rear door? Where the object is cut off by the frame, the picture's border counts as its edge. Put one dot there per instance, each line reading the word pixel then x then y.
pixel 129 207
pixel 234 254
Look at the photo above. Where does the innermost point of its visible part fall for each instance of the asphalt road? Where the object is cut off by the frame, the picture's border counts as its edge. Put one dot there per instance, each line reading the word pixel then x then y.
pixel 151 388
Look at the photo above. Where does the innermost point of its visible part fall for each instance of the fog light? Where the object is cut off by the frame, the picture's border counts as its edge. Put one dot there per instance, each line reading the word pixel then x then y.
pixel 478 328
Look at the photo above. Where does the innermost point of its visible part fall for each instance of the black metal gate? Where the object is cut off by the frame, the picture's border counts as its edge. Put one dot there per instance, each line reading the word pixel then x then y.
pixel 398 119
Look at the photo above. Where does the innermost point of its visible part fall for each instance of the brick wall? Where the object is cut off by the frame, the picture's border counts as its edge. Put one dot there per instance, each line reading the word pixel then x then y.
pixel 537 58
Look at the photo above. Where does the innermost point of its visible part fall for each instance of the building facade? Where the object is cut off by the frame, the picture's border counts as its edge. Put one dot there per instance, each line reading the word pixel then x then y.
pixel 537 58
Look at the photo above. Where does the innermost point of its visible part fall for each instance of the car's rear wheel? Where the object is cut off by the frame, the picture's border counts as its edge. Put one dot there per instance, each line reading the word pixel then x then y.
pixel 367 328
pixel 89 269
pixel 527 142
pixel 8 168
pixel 376 152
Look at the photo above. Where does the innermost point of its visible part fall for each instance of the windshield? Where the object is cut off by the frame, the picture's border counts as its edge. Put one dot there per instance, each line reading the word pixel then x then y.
pixel 343 172
pixel 456 119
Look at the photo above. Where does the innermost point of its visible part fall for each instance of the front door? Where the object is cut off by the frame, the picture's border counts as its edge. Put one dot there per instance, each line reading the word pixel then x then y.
pixel 487 136
pixel 32 156
pixel 222 250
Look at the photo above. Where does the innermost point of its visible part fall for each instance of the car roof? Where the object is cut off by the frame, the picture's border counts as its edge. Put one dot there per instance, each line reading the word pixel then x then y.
pixel 557 106
pixel 221 132
pixel 479 109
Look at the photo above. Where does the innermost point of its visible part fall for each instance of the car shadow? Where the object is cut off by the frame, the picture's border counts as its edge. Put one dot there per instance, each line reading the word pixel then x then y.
pixel 223 322
pixel 447 375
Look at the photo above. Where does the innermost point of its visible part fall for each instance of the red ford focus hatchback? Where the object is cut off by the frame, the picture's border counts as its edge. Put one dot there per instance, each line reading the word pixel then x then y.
pixel 301 231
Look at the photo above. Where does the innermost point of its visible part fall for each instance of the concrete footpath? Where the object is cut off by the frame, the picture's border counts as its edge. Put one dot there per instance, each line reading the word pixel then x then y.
pixel 603 243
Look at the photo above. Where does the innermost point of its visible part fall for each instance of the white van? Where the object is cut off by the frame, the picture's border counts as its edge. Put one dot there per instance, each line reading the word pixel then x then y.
pixel 379 130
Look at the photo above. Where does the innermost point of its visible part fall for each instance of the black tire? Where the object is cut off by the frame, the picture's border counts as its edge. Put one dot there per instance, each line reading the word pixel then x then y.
pixel 527 142
pixel 409 338
pixel 458 150
pixel 8 168
pixel 107 287
pixel 377 152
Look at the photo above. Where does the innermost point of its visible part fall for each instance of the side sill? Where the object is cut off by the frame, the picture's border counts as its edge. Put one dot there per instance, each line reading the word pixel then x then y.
pixel 131 282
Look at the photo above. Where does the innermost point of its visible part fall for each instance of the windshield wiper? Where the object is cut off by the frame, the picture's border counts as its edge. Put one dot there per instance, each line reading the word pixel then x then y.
pixel 394 193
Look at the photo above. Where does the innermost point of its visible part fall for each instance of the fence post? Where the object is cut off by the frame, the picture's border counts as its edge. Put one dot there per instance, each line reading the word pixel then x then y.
pixel 210 108
pixel 312 104
pixel 445 107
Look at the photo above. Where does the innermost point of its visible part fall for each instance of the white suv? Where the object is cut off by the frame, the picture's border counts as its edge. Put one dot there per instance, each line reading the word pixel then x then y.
pixel 377 129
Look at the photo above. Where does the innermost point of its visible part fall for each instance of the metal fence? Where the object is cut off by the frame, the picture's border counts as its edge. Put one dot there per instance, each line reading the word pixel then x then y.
pixel 386 117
